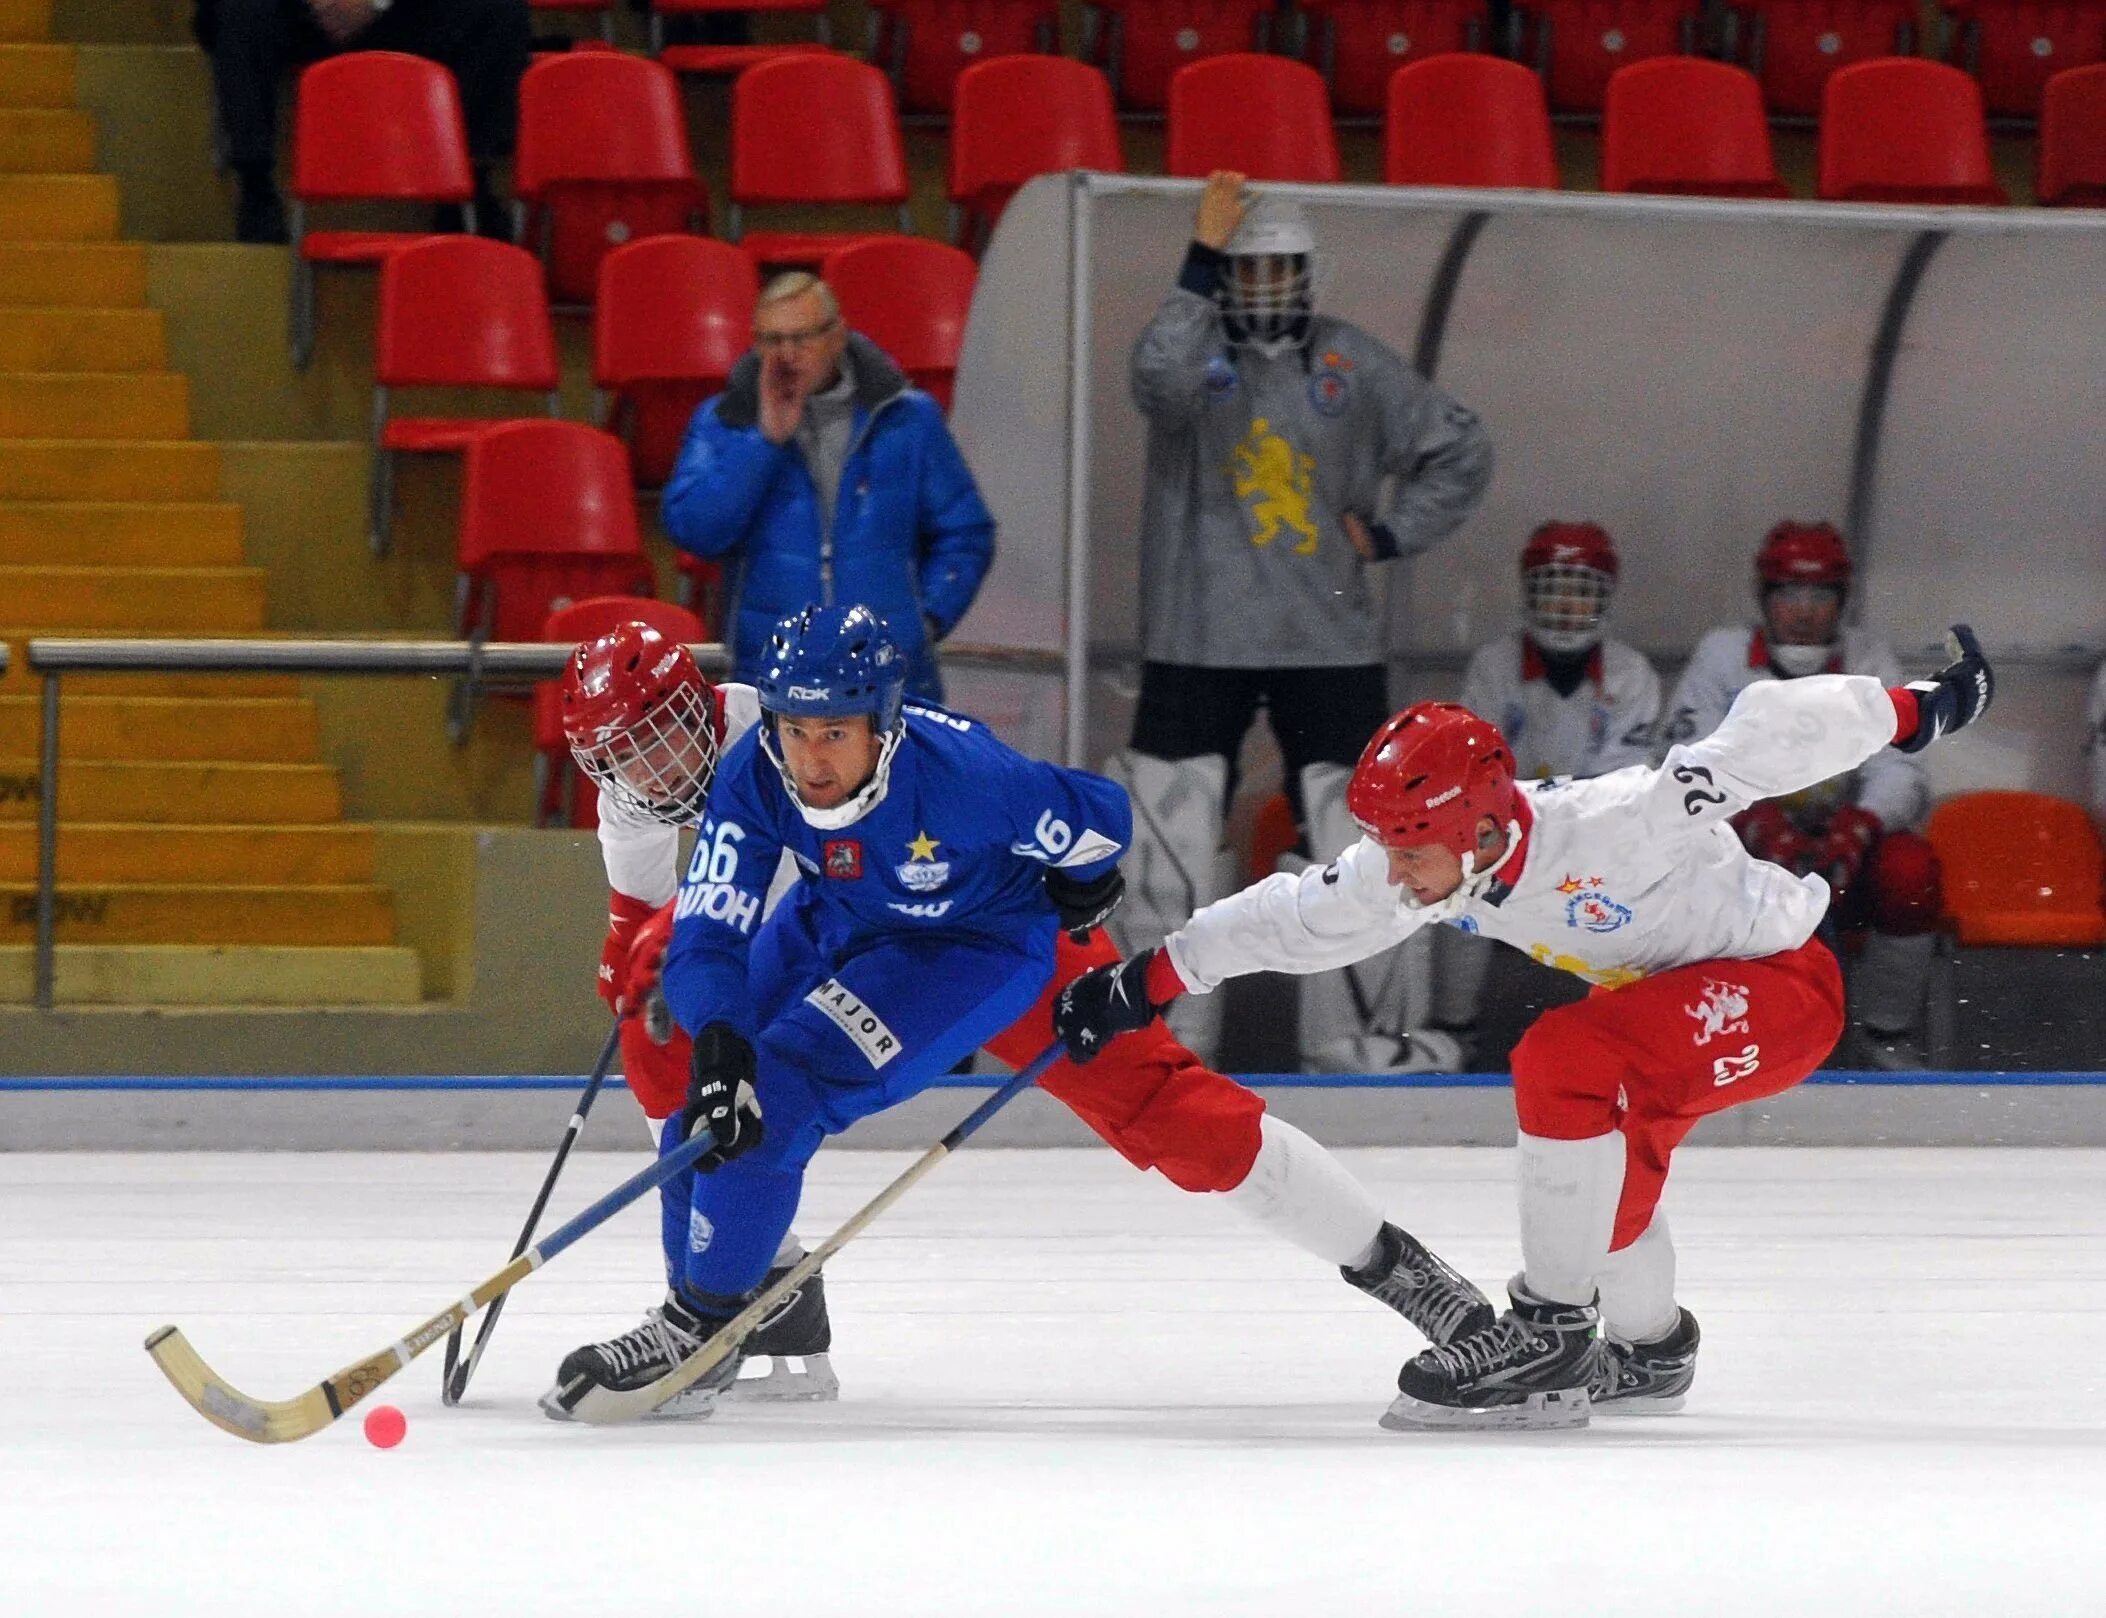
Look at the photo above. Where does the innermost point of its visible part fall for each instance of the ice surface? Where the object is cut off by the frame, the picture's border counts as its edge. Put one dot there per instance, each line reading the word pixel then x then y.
pixel 1068 1390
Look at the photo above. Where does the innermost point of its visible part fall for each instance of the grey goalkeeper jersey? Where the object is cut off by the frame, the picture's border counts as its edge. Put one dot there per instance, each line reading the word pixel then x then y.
pixel 1252 462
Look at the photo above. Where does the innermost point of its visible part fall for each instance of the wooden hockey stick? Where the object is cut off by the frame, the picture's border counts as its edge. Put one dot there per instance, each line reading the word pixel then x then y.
pixel 606 1406
pixel 280 1421
pixel 453 1377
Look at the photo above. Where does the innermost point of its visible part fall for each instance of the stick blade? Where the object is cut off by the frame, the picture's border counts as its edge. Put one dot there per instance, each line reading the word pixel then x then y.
pixel 260 1421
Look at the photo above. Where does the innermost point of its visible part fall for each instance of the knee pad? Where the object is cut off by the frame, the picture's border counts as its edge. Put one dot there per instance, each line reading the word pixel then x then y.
pixel 1906 889
pixel 1566 1080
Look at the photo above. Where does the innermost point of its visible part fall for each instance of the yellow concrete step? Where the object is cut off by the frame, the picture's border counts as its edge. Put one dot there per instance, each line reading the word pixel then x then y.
pixel 133 533
pixel 74 469
pixel 95 275
pixel 76 339
pixel 289 855
pixel 36 75
pixel 57 207
pixel 257 730
pixel 46 140
pixel 175 913
pixel 178 794
pixel 94 404
pixel 220 975
pixel 189 600
pixel 25 19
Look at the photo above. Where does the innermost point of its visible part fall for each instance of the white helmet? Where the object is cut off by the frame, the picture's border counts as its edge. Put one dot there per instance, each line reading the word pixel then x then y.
pixel 1268 286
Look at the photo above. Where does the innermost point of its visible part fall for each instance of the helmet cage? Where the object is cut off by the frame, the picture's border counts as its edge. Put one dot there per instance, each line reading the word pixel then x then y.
pixel 1565 604
pixel 1267 299
pixel 659 764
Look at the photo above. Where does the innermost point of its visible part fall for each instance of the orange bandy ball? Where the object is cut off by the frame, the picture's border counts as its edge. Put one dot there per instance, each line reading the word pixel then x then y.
pixel 385 1426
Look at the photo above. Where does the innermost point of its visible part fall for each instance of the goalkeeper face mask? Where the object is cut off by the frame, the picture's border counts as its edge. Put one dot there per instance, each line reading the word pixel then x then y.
pixel 1268 285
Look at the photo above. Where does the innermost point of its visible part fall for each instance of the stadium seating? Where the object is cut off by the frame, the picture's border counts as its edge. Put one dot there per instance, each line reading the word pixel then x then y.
pixel 674 315
pixel 926 44
pixel 813 129
pixel 2020 868
pixel 1358 44
pixel 457 312
pixel 1904 130
pixel 1142 43
pixel 2071 170
pixel 1017 118
pixel 563 794
pixel 1793 45
pixel 1577 44
pixel 1263 116
pixel 715 59
pixel 911 298
pixel 369 126
pixel 1682 126
pixel 603 159
pixel 1467 120
pixel 2013 47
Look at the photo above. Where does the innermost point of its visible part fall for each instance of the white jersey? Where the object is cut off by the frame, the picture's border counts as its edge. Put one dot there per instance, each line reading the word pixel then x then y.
pixel 2096 712
pixel 1727 661
pixel 1615 878
pixel 642 854
pixel 1605 724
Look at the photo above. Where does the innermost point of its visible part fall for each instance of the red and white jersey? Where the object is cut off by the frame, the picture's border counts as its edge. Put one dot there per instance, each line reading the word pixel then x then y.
pixel 1615 878
pixel 1606 723
pixel 642 854
pixel 2095 710
pixel 1727 661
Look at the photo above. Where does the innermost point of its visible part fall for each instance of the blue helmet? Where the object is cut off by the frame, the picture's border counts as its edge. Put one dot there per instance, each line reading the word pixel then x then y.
pixel 826 663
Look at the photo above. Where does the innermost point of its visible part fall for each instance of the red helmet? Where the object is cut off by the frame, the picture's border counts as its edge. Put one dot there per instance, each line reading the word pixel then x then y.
pixel 1803 553
pixel 1430 774
pixel 1568 574
pixel 643 722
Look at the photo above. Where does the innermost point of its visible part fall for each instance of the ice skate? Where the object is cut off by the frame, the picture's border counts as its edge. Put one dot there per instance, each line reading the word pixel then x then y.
pixel 640 1356
pixel 1421 1287
pixel 1529 1370
pixel 793 1341
pixel 1647 1379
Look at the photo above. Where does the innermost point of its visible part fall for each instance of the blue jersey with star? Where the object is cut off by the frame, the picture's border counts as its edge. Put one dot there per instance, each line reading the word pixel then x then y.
pixel 960 843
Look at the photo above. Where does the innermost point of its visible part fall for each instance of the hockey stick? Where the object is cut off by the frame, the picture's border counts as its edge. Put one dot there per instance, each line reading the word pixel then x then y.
pixel 279 1421
pixel 452 1385
pixel 605 1406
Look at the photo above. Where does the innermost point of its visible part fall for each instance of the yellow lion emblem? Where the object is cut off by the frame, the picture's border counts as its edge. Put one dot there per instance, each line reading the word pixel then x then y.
pixel 1266 467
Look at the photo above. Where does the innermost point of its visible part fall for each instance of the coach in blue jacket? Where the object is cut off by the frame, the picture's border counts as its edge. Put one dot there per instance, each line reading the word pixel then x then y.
pixel 820 475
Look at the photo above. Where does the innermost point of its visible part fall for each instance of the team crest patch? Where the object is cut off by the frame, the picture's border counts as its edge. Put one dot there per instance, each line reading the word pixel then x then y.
pixel 1329 393
pixel 844 859
pixel 1220 378
pixel 1587 906
pixel 923 878
pixel 1720 1010
pixel 700 1232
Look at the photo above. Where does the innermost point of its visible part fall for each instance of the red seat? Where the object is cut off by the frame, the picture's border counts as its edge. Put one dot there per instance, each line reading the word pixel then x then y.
pixel 2013 47
pixel 1467 120
pixel 719 59
pixel 548 516
pixel 2020 868
pixel 1358 44
pixel 911 298
pixel 1142 43
pixel 1020 117
pixel 369 126
pixel 455 311
pixel 674 315
pixel 1793 45
pixel 1904 130
pixel 563 794
pixel 926 44
pixel 2072 159
pixel 1263 116
pixel 1577 44
pixel 782 152
pixel 1681 126
pixel 603 160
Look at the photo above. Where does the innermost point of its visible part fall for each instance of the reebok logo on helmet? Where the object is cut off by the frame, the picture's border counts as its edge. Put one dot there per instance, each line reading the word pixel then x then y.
pixel 1440 798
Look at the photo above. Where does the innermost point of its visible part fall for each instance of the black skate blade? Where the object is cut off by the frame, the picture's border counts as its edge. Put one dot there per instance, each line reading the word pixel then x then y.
pixel 1560 1411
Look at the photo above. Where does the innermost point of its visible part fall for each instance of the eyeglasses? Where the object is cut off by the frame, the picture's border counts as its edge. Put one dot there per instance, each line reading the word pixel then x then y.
pixel 778 340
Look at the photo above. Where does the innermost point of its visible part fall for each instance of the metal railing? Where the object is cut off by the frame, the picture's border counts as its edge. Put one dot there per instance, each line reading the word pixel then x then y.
pixel 487 663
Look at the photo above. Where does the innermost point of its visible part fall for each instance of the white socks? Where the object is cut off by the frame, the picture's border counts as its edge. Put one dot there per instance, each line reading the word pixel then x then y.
pixel 1569 1191
pixel 1638 1286
pixel 1299 1191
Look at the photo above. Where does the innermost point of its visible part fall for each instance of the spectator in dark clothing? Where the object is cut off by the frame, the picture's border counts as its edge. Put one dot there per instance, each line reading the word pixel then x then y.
pixel 253 42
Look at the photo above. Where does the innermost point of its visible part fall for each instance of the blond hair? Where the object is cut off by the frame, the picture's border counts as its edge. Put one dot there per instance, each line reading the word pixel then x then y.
pixel 795 284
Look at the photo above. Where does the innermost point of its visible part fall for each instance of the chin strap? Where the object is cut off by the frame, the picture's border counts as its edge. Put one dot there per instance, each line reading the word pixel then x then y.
pixel 856 806
pixel 1474 883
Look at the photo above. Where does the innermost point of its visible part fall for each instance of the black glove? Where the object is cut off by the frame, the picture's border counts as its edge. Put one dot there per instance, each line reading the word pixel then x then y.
pixel 1103 1003
pixel 1084 906
pixel 1953 698
pixel 720 1097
